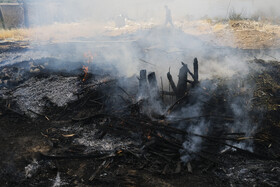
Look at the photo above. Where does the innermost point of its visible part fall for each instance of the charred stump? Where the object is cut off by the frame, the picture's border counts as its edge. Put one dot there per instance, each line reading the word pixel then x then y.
pixel 154 92
pixel 183 81
pixel 143 85
pixel 195 71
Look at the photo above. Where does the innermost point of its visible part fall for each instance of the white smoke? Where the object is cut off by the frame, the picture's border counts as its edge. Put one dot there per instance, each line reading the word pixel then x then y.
pixel 49 11
pixel 88 25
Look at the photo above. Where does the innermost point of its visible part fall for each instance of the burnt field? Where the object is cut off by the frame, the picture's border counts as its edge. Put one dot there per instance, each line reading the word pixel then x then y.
pixel 88 119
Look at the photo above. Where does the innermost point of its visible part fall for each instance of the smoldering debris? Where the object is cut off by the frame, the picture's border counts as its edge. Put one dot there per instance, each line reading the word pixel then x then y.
pixel 77 101
pixel 35 93
pixel 107 121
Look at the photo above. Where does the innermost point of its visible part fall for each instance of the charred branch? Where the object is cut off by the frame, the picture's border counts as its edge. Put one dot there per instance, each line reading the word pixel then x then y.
pixel 173 86
pixel 195 74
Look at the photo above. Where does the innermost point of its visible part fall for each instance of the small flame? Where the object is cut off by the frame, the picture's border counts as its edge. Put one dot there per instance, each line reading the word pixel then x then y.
pixel 88 59
pixel 85 69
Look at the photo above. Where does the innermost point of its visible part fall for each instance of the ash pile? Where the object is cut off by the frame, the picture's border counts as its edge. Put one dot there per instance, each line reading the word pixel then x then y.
pixel 96 129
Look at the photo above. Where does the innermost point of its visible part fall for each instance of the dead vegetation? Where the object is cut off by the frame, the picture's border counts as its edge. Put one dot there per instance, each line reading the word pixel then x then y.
pixel 14 34
pixel 236 33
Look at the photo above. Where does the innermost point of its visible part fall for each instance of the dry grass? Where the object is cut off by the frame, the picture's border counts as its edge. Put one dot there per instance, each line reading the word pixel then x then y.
pixel 244 34
pixel 14 34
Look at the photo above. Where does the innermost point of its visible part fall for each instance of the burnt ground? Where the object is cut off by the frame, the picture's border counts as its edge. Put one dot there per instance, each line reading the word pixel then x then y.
pixel 102 137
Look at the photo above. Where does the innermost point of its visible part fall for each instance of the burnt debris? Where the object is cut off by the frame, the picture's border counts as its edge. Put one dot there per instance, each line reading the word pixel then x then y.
pixel 102 132
pixel 182 87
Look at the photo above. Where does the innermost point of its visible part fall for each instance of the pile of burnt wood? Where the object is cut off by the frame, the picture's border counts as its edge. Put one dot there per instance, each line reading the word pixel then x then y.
pixel 179 91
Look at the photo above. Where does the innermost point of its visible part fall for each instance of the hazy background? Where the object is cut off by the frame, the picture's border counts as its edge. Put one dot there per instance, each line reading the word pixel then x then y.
pixel 49 11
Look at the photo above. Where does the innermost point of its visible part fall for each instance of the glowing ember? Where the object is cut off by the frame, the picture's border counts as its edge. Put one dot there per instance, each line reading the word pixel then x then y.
pixel 149 136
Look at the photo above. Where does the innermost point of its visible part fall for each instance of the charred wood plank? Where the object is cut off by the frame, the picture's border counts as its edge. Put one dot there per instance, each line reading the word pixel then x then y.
pixel 195 70
pixel 162 89
pixel 172 84
pixel 195 74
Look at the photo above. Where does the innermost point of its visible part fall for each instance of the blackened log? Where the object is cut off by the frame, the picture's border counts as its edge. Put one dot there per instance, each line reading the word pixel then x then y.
pixel 183 81
pixel 154 91
pixel 195 74
pixel 195 70
pixel 192 75
pixel 152 81
pixel 162 95
pixel 174 88
pixel 143 85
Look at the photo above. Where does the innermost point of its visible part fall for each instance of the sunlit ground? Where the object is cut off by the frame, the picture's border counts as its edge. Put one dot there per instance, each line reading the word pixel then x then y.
pixel 245 34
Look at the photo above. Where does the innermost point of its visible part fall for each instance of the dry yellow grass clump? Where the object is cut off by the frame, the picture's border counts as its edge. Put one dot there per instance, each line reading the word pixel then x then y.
pixel 14 34
pixel 244 34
